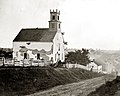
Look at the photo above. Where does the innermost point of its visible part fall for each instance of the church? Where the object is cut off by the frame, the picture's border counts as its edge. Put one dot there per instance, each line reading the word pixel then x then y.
pixel 45 44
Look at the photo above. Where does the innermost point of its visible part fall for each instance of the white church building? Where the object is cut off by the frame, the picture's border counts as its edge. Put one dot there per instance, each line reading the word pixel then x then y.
pixel 45 44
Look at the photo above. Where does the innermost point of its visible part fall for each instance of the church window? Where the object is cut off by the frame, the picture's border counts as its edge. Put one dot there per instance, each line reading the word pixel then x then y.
pixel 58 57
pixel 38 56
pixel 59 25
pixel 53 17
pixel 28 43
pixel 25 55
pixel 58 17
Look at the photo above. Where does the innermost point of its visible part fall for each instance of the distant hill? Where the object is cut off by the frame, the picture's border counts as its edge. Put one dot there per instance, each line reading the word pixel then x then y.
pixel 110 59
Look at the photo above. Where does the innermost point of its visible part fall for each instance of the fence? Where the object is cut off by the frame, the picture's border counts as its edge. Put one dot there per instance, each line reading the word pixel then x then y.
pixel 24 62
pixel 1 61
pixel 76 66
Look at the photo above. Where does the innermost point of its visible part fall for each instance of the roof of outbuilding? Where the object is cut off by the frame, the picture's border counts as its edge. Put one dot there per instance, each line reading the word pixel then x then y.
pixel 97 62
pixel 35 34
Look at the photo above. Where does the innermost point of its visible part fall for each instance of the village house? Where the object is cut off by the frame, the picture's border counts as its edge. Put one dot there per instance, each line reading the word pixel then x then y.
pixel 94 66
pixel 46 44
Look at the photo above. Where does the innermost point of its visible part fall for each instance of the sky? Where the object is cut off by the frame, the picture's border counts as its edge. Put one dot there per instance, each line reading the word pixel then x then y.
pixel 86 23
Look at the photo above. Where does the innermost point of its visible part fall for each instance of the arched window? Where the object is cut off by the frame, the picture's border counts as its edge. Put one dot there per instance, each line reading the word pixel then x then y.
pixel 53 17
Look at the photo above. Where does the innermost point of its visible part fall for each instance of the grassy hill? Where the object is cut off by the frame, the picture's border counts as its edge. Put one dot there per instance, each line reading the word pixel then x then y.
pixel 29 80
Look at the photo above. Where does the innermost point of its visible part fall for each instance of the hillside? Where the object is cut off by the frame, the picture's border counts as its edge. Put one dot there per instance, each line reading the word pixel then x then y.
pixel 29 80
pixel 110 59
pixel 82 88
pixel 110 88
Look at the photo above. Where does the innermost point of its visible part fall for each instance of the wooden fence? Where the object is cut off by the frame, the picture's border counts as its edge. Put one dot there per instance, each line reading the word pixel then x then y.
pixel 76 66
pixel 24 62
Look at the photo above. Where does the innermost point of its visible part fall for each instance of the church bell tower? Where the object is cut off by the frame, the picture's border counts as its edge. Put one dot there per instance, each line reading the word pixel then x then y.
pixel 54 23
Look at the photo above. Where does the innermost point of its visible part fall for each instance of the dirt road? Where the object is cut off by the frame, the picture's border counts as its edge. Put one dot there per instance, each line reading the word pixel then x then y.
pixel 82 88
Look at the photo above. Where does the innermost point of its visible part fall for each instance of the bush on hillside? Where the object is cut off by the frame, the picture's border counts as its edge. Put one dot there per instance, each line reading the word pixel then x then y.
pixel 108 89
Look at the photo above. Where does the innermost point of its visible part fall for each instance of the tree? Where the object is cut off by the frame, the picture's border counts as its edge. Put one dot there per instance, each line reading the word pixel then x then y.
pixel 79 57
pixel 70 57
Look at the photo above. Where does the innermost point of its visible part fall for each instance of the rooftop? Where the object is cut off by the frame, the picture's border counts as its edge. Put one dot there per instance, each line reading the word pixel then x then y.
pixel 35 34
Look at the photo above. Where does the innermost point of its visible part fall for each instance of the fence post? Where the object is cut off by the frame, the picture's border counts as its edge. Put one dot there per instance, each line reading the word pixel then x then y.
pixel 14 61
pixel 38 62
pixel 31 61
pixel 3 62
pixel 23 62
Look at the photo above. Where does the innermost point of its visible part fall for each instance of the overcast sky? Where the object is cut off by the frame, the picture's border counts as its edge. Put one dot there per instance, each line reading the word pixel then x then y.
pixel 86 23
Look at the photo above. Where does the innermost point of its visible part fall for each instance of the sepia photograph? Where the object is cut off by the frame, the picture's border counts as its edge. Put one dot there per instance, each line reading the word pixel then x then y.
pixel 59 47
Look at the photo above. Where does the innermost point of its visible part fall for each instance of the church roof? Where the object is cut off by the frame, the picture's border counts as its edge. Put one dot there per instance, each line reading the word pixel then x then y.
pixel 35 35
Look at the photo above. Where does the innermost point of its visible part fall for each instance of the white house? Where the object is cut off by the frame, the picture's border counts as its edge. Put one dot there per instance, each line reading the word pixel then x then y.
pixel 41 43
pixel 95 66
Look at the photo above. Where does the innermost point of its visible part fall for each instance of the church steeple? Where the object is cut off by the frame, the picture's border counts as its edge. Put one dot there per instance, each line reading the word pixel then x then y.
pixel 54 23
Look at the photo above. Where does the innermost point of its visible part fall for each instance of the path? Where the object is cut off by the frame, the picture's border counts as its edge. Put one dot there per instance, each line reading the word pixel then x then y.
pixel 82 88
